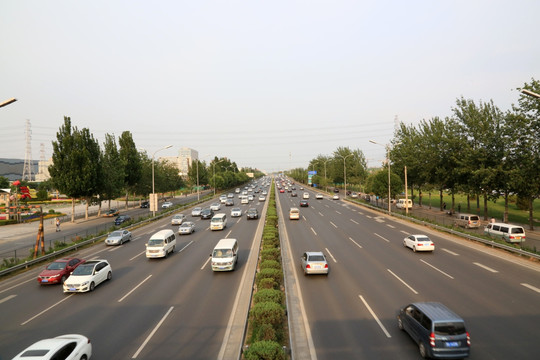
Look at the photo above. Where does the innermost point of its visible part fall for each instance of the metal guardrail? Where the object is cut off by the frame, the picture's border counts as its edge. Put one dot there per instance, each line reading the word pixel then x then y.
pixel 491 243
pixel 68 249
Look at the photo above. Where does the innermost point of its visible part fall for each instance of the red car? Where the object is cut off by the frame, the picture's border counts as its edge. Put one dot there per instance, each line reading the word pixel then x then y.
pixel 58 271
pixel 281 191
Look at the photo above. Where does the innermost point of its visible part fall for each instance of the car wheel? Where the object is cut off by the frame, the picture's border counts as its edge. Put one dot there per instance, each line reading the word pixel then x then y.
pixel 84 357
pixel 422 349
pixel 92 286
pixel 414 248
pixel 399 323
pixel 109 276
pixel 404 244
pixel 63 280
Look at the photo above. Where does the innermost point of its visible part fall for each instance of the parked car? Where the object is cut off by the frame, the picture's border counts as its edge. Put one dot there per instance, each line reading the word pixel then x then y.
pixel 506 232
pixel 196 211
pixel 438 331
pixel 58 271
pixel 111 213
pixel 314 262
pixel 121 219
pixel 88 275
pixel 187 227
pixel 468 221
pixel 177 219
pixel 118 237
pixel 166 205
pixel 65 347
pixel 236 212
pixel 419 243
pixel 252 213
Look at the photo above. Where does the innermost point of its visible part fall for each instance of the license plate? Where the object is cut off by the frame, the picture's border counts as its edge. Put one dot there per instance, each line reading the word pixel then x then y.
pixel 44 280
pixel 72 289
pixel 317 266
pixel 452 344
pixel 518 237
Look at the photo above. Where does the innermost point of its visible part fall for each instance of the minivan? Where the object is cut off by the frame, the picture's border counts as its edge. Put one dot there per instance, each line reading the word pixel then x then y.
pixel 225 255
pixel 507 232
pixel 294 214
pixel 401 203
pixel 438 331
pixel 467 221
pixel 218 222
pixel 161 244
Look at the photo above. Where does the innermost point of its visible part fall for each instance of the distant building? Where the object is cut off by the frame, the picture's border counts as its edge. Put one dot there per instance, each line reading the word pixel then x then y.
pixel 183 161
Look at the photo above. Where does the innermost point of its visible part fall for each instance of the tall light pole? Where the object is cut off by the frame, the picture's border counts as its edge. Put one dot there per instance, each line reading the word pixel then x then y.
pixel 7 102
pixel 153 190
pixel 387 147
pixel 198 191
pixel 345 172
pixel 530 93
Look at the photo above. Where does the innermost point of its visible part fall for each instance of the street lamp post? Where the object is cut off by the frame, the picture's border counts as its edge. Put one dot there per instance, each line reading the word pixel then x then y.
pixel 198 192
pixel 530 93
pixel 345 172
pixel 7 102
pixel 388 163
pixel 153 184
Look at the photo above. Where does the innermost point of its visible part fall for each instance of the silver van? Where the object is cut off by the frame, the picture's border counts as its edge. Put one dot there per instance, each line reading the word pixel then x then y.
pixel 467 221
pixel 225 255
pixel 437 330
pixel 218 222
pixel 506 232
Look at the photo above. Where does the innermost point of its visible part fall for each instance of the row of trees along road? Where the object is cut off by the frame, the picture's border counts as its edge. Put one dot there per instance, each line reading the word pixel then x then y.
pixel 82 170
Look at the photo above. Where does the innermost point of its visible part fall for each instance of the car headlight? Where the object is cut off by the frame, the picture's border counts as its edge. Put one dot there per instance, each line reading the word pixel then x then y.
pixel 85 283
pixel 55 276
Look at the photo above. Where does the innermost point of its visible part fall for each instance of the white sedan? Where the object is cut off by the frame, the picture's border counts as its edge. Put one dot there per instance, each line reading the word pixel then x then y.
pixel 215 206
pixel 68 347
pixel 419 243
pixel 88 275
pixel 187 227
pixel 335 197
pixel 236 212
pixel 166 205
pixel 318 196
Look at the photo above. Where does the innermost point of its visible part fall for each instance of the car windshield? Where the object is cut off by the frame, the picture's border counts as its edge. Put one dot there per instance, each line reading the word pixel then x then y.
pixel 57 266
pixel 222 253
pixel 116 234
pixel 454 328
pixel 155 242
pixel 185 225
pixel 83 270
pixel 316 258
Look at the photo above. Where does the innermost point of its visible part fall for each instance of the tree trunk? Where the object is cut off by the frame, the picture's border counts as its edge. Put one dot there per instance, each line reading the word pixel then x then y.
pixel 531 212
pixel 86 209
pixel 127 196
pixel 441 199
pixel 420 196
pixel 505 216
pixel 485 206
pixel 453 202
pixel 468 203
pixel 72 209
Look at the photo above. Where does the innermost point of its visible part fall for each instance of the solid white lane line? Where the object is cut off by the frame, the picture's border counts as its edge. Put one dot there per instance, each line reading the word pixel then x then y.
pixel 354 222
pixel 403 282
pixel 450 252
pixel 135 288
pixel 152 333
pixel 360 246
pixel 136 256
pixel 381 237
pixel 442 272
pixel 375 317
pixel 47 309
pixel 313 231
pixel 485 267
pixel 332 256
pixel 206 262
pixel 531 287
pixel 7 298
pixel 334 225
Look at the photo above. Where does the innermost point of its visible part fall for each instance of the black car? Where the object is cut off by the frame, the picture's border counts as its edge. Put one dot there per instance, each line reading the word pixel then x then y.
pixel 336 190
pixel 252 213
pixel 121 219
pixel 304 203
pixel 145 204
pixel 207 213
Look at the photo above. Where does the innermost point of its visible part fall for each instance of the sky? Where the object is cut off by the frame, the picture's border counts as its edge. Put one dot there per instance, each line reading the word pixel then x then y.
pixel 267 84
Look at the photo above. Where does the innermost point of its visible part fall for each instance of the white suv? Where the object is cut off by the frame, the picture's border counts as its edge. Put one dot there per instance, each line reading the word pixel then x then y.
pixel 88 275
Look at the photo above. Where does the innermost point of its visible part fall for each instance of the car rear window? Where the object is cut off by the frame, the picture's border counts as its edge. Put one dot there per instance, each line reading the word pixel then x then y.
pixel 516 230
pixel 450 328
pixel 474 218
pixel 423 239
pixel 316 258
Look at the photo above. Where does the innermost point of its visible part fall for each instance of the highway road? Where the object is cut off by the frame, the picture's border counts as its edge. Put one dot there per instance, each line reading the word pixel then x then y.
pixel 173 308
pixel 351 312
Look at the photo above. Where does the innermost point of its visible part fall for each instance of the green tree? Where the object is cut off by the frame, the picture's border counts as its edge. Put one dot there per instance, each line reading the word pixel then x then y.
pixel 131 162
pixel 4 182
pixel 198 173
pixel 113 171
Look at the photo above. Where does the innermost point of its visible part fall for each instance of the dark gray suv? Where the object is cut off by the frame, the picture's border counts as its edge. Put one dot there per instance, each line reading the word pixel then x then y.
pixel 437 330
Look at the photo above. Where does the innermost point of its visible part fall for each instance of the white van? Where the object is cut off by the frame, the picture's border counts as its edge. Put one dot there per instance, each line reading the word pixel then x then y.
pixel 401 203
pixel 468 221
pixel 225 255
pixel 161 244
pixel 244 200
pixel 294 213
pixel 218 222
pixel 507 232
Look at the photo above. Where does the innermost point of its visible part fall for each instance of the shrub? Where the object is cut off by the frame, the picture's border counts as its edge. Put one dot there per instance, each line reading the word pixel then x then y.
pixel 270 264
pixel 265 350
pixel 267 312
pixel 275 274
pixel 264 332
pixel 265 295
pixel 270 254
pixel 266 283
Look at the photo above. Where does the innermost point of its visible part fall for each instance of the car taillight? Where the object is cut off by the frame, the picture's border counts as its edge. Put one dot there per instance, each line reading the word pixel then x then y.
pixel 432 339
pixel 308 266
pixel 326 266
pixel 468 339
pixel 420 244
